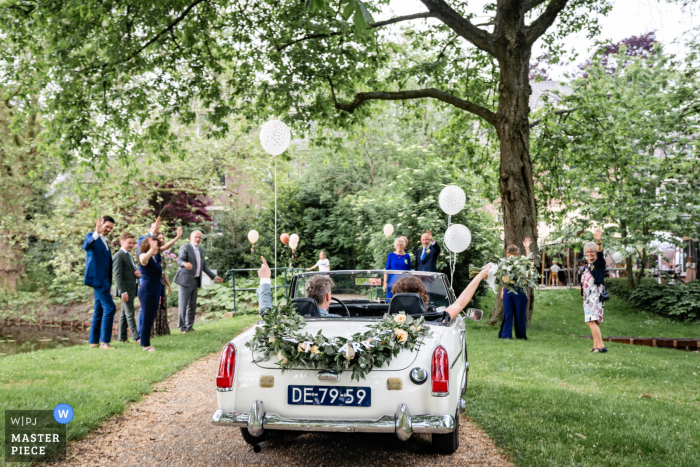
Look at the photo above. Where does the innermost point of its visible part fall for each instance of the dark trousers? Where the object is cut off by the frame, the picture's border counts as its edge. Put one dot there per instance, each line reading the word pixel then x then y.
pixel 103 315
pixel 514 311
pixel 149 296
pixel 128 319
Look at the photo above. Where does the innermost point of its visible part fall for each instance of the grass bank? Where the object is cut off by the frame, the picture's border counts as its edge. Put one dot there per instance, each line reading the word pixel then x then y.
pixel 96 383
pixel 548 401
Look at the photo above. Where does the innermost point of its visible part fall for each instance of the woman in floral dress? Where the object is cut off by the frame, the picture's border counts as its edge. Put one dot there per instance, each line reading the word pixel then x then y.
pixel 160 325
pixel 592 285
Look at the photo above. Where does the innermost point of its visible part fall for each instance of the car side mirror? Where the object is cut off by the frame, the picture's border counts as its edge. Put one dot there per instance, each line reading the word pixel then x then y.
pixel 474 314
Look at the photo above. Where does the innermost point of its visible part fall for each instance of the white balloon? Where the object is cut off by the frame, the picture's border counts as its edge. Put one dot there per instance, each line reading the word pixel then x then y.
pixel 275 137
pixel 294 241
pixel 618 257
pixel 388 230
pixel 457 238
pixel 452 199
pixel 253 236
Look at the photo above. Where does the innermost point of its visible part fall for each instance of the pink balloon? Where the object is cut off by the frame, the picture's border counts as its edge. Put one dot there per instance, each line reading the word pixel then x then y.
pixel 284 238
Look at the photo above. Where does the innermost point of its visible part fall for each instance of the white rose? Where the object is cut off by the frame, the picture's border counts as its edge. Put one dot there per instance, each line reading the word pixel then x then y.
pixel 400 318
pixel 281 359
pixel 401 335
pixel 506 279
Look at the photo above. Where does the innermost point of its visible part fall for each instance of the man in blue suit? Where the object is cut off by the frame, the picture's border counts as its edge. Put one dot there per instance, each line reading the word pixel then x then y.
pixel 426 255
pixel 98 275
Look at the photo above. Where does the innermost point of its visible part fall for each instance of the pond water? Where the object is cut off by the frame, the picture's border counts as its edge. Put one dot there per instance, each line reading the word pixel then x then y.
pixel 19 339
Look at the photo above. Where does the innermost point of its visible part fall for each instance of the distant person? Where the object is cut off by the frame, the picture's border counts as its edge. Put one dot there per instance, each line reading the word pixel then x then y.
pixel 152 228
pixel 150 290
pixel 427 254
pixel 317 287
pixel 192 262
pixel 592 285
pixel 125 274
pixel 98 275
pixel 515 304
pixel 397 260
pixel 554 276
pixel 690 270
pixel 322 264
pixel 581 267
pixel 161 326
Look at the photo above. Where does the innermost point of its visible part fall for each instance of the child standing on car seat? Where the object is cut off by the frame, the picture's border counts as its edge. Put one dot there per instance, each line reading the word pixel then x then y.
pixel 514 305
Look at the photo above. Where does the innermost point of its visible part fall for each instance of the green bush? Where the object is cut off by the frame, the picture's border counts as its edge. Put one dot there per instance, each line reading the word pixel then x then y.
pixel 618 286
pixel 679 301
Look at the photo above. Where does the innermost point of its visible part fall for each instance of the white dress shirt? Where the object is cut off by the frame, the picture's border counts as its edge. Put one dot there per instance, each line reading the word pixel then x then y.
pixel 199 261
pixel 95 235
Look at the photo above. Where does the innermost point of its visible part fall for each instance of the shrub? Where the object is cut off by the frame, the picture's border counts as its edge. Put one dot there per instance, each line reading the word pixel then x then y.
pixel 618 286
pixel 681 301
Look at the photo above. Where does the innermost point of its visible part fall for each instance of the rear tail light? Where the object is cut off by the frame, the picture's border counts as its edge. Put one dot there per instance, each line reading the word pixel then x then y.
pixel 440 372
pixel 227 367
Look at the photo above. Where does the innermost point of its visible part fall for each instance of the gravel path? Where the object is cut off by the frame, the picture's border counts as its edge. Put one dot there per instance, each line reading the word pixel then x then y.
pixel 171 427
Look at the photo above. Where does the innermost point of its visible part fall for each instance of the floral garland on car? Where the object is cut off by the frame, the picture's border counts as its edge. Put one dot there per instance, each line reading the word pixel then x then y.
pixel 516 273
pixel 281 335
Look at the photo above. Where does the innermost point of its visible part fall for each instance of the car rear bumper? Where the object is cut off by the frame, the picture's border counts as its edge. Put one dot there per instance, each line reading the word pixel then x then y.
pixel 401 423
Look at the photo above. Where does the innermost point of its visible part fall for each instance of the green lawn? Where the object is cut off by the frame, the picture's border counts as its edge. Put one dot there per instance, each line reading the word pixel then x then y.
pixel 98 383
pixel 548 401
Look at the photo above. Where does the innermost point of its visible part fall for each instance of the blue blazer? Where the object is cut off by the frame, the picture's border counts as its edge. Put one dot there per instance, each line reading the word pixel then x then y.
pixel 430 262
pixel 98 266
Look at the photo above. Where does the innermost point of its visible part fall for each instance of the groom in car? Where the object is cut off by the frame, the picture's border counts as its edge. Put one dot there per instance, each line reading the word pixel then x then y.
pixel 427 254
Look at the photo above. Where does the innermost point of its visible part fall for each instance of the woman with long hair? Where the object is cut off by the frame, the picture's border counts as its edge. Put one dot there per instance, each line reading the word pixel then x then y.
pixel 412 284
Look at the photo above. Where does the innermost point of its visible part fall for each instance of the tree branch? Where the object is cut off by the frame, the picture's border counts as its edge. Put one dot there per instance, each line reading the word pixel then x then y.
pixel 530 4
pixel 462 26
pixel 558 112
pixel 170 27
pixel 378 24
pixel 546 19
pixel 443 96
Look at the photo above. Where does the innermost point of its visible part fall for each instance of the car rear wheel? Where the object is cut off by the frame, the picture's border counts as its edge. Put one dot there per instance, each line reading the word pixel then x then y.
pixel 447 443
pixel 253 440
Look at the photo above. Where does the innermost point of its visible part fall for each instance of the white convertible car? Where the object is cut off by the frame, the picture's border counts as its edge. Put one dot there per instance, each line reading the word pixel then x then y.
pixel 420 391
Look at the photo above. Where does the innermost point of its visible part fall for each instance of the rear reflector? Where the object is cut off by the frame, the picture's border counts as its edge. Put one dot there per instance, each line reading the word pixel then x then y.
pixel 440 372
pixel 227 366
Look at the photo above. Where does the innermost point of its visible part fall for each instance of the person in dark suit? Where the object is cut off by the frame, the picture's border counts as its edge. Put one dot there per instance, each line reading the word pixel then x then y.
pixel 125 275
pixel 189 278
pixel 426 255
pixel 98 275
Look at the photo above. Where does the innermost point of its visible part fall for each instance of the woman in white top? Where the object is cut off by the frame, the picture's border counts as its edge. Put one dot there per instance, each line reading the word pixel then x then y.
pixel 323 264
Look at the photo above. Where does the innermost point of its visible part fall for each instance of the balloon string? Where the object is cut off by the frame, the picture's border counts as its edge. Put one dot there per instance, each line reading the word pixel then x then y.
pixel 451 263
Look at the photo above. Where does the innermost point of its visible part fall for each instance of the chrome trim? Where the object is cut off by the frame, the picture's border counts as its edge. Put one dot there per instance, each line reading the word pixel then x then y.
pixel 462 405
pixel 463 385
pixel 466 365
pixel 403 423
pixel 386 424
pixel 415 379
pixel 256 418
pixel 328 375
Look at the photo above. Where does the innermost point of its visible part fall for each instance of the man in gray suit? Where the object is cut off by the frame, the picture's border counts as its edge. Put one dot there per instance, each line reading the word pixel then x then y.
pixel 125 275
pixel 189 278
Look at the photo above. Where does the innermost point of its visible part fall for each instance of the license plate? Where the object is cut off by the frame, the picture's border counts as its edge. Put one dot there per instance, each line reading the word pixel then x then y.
pixel 350 396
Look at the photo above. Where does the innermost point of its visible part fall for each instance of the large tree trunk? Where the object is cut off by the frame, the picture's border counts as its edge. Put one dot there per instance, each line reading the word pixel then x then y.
pixel 513 129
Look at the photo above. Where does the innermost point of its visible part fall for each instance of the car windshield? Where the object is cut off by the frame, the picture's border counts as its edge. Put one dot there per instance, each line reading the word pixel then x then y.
pixel 363 286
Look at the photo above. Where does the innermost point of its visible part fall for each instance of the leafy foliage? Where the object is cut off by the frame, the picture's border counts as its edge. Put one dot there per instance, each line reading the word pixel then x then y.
pixel 679 301
pixel 516 273
pixel 281 335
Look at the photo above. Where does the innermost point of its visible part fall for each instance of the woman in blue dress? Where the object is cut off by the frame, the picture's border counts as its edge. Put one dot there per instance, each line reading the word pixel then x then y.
pixel 397 260
pixel 150 290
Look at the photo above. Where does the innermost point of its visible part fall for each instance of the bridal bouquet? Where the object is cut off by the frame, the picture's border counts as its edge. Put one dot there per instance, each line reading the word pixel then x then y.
pixel 515 273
